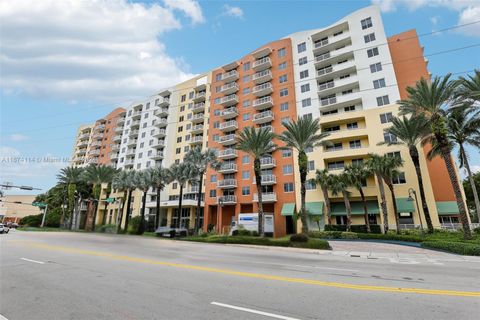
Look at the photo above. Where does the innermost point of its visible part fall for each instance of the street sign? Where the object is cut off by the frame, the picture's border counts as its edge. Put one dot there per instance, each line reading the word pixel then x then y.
pixel 110 200
pixel 39 204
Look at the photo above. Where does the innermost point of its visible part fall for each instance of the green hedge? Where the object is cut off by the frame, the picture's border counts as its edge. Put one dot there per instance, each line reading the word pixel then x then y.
pixel 357 228
pixel 352 235
pixel 32 220
pixel 463 248
pixel 107 228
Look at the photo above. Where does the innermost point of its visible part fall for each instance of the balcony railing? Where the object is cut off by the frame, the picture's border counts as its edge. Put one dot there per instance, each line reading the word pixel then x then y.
pixel 266 197
pixel 229 100
pixel 130 152
pixel 157 155
pixel 229 125
pixel 84 136
pixel 200 95
pixel 267 162
pixel 262 76
pixel 117 137
pixel 161 122
pixel 161 112
pixel 231 75
pixel 226 200
pixel 227 183
pixel 229 88
pixel 267 179
pixel 262 89
pixel 269 128
pixel 163 101
pixel 197 129
pixel 136 114
pixel 262 103
pixel 134 132
pixel 135 123
pixel 263 117
pixel 325 86
pixel 328 101
pixel 228 167
pixel 229 113
pixel 261 64
pixel 94 152
pixel 321 43
pixel 228 139
pixel 196 140
pixel 227 154
pixel 199 117
pixel 198 107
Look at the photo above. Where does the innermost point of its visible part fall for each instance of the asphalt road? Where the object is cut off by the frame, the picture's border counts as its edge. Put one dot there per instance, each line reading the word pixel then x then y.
pixel 56 275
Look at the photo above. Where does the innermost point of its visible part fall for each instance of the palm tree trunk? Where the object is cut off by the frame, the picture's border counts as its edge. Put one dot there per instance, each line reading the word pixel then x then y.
pixel 303 167
pixel 97 190
pixel 395 210
pixel 157 213
pixel 199 203
pixel 129 203
pixel 416 162
pixel 141 225
pixel 365 209
pixel 180 206
pixel 349 210
pixel 104 219
pixel 456 190
pixel 472 182
pixel 383 202
pixel 258 181
pixel 120 212
pixel 327 204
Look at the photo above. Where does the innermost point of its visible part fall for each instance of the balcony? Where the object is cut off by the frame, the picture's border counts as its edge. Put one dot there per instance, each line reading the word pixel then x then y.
pixel 157 155
pixel 84 136
pixel 346 153
pixel 335 70
pixel 334 56
pixel 267 179
pixel 262 89
pixel 229 88
pixel 227 184
pixel 80 152
pixel 94 152
pixel 120 121
pixel 342 100
pixel 82 143
pixel 228 140
pixel 338 85
pixel 197 118
pixel 267 197
pixel 200 96
pixel 115 147
pixel 269 128
pixel 228 168
pixel 332 42
pixel 161 123
pixel 118 129
pixel 97 136
pixel 228 126
pixel 197 129
pixel 136 115
pixel 262 64
pixel 114 155
pixel 161 112
pixel 262 103
pixel 129 163
pixel 160 143
pixel 196 140
pixel 227 200
pixel 135 124
pixel 229 100
pixel 229 113
pixel 346 134
pixel 227 154
pixel 163 102
pixel 132 142
pixel 160 133
pixel 79 159
pixel 96 144
pixel 263 117
pixel 267 163
pixel 229 76
pixel 198 107
pixel 117 137
pixel 100 127
pixel 133 133
pixel 262 76
pixel 130 152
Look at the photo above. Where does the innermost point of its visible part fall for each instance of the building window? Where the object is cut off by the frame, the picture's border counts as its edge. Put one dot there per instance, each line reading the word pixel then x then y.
pixel 216 112
pixel 366 23
pixel 140 155
pixel 349 108
pixel 246 116
pixel 337 146
pixel 191 94
pixel 283 92
pixel 174 186
pixel 246 159
pixel 184 97
pixel 386 117
pixel 287 153
pixel 143 134
pixel 282 78
pixel 246 79
pixel 303 74
pixel 306 102
pixel 307 116
pixel 301 47
pixel 380 83
pixel 142 144
pixel 180 129
pixel 305 87
pixel 282 52
pixel 369 37
pixel 218 77
pixel 246 66
pixel 287 169
pixel 310 185
pixel 282 66
pixel 178 150
pixel 245 175
pixel 372 52
pixel 213 193
pixel 288 187
pixel 246 90
pixel 352 125
pixel 284 106
pixel 357 162
pixel 285 120
pixel 216 124
pixel 388 137
pixel 302 61
pixel 376 67
pixel 336 165
pixel 246 103
pixel 213 178
pixel 245 191
pixel 382 101
pixel 216 137
pixel 399 178
pixel 309 150
pixel 181 118
pixel 179 139
pixel 394 154
pixel 355 144
pixel 311 165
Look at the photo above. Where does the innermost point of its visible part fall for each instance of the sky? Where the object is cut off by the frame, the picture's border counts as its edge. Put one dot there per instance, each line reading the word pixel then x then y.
pixel 64 63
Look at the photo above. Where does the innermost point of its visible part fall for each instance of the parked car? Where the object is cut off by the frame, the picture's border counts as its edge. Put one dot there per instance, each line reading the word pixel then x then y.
pixel 171 232
pixel 4 228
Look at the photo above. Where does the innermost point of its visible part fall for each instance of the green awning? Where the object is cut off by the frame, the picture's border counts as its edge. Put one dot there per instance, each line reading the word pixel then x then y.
pixel 403 205
pixel 338 208
pixel 315 208
pixel 288 209
pixel 445 208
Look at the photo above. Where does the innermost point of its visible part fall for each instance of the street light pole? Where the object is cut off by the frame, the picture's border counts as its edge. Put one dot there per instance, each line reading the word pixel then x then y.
pixel 410 192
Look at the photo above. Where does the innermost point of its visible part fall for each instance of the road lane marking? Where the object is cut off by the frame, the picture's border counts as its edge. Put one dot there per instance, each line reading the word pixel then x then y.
pixel 34 261
pixel 2 317
pixel 259 276
pixel 267 314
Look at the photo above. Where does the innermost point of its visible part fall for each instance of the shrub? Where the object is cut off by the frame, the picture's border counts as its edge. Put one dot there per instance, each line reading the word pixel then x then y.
pixel 335 227
pixel 53 218
pixel 390 236
pixel 133 224
pixel 325 234
pixel 477 230
pixel 300 237
pixel 348 235
pixel 469 249
pixel 32 220
pixel 108 228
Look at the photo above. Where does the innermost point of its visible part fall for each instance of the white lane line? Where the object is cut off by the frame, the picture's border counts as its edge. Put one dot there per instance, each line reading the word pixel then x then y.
pixel 29 260
pixel 267 314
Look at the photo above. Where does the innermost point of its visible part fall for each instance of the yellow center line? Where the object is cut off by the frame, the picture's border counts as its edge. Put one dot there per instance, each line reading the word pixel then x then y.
pixel 257 275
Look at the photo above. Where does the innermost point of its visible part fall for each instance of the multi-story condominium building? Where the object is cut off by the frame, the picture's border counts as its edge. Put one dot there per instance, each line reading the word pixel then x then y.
pixel 81 145
pixel 349 75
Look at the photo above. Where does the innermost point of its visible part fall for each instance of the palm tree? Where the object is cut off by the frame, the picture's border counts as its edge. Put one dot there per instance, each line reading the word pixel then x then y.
pixel 411 132
pixel 143 182
pixel 302 135
pixel 430 98
pixel 200 161
pixel 464 129
pixel 376 164
pixel 70 176
pixel 469 87
pixel 391 165
pixel 96 175
pixel 181 173
pixel 258 143
pixel 323 179
pixel 124 181
pixel 338 184
pixel 161 177
pixel 358 175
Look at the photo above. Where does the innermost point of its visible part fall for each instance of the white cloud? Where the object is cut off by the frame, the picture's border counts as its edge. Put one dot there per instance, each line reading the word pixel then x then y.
pixel 230 11
pixel 190 8
pixel 434 20
pixel 98 50
pixel 18 137
pixel 468 10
